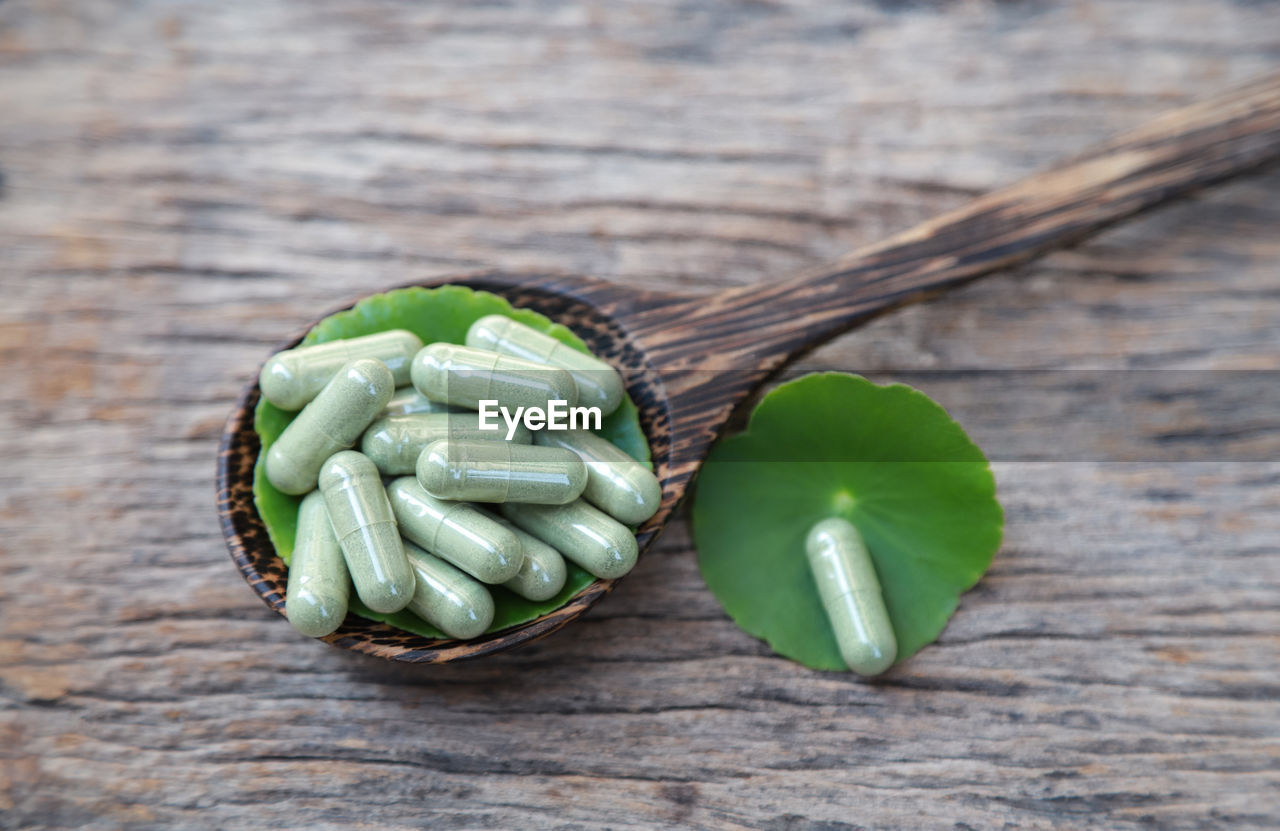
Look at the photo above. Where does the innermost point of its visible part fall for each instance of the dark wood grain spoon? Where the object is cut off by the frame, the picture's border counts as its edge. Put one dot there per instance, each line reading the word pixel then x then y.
pixel 689 360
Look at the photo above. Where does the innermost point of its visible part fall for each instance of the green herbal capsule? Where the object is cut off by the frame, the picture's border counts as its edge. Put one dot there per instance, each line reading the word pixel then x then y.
pixel 292 378
pixel 583 534
pixel 395 442
pixel 464 377
pixel 319 586
pixel 408 401
pixel 599 385
pixel 850 592
pixel 455 531
pixel 542 575
pixel 616 483
pixel 333 421
pixel 447 598
pixel 492 471
pixel 366 529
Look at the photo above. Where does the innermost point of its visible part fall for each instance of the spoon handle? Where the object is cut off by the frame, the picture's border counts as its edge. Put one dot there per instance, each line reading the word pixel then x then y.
pixel 761 326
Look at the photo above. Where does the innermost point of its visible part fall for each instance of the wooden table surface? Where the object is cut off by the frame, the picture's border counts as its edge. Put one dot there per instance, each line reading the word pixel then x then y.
pixel 186 184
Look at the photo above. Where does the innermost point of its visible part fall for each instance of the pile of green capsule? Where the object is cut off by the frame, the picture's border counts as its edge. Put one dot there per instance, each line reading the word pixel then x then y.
pixel 432 509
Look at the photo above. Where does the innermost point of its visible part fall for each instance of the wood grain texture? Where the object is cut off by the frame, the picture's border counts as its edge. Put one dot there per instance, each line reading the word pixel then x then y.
pixel 184 185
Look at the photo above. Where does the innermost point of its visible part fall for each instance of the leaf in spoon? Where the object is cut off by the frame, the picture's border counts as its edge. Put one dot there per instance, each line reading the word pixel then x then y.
pixel 888 459
pixel 439 314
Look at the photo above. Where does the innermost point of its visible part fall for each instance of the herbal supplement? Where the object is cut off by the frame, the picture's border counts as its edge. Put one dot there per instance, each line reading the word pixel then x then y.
pixel 464 376
pixel 331 422
pixel 408 401
pixel 446 598
pixel 366 529
pixel 599 385
pixel 395 442
pixel 581 533
pixel 846 579
pixel 455 531
pixel 543 573
pixel 616 483
pixel 492 471
pixel 316 602
pixel 291 378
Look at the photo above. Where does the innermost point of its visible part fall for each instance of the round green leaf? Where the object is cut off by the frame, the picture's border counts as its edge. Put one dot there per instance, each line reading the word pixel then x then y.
pixel 886 458
pixel 440 314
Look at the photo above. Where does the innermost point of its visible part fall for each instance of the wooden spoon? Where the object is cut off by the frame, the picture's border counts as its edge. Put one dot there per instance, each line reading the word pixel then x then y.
pixel 689 360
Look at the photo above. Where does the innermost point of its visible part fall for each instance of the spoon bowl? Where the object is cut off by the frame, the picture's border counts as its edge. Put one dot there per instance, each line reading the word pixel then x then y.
pixel 255 556
pixel 689 360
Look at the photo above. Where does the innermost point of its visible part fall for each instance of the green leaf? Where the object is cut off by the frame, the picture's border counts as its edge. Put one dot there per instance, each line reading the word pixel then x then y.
pixel 440 314
pixel 886 458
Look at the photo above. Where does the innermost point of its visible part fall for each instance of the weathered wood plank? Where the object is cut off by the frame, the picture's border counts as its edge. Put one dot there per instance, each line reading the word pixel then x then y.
pixel 185 185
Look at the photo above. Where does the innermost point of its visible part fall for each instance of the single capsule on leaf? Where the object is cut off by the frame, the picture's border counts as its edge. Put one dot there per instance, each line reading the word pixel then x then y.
pixel 333 421
pixel 851 596
pixel 599 385
pixel 291 378
pixel 319 586
pixel 366 529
